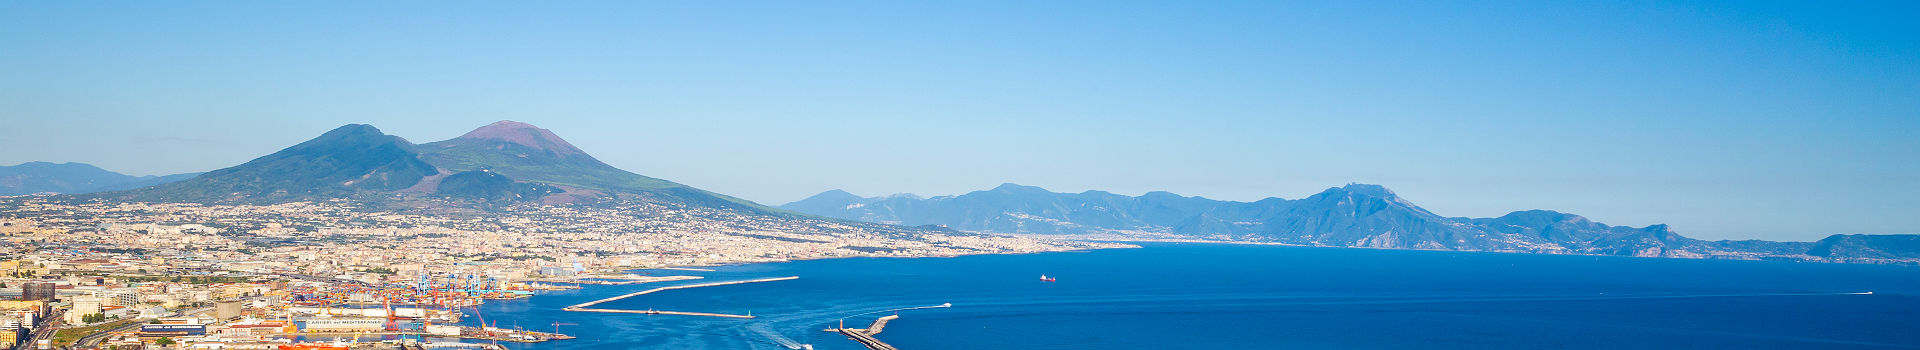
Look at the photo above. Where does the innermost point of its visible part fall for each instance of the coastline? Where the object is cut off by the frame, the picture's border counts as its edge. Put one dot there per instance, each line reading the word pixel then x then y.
pixel 706 267
pixel 1124 238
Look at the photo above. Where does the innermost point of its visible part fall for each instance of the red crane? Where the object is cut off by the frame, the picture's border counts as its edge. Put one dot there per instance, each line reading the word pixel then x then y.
pixel 483 318
pixel 393 321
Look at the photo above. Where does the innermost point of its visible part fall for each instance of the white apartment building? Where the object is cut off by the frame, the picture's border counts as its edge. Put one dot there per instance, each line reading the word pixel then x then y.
pixel 82 306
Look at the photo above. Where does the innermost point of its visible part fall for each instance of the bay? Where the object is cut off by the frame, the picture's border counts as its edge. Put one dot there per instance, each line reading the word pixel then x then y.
pixel 1191 296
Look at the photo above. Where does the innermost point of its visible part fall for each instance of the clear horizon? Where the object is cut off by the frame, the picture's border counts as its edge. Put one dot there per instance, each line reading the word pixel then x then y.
pixel 1726 120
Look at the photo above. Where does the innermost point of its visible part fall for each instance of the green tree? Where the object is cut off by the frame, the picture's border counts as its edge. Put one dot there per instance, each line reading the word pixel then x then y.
pixel 163 341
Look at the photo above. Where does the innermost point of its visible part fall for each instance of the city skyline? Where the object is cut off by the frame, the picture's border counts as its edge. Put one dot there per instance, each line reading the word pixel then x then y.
pixel 1725 120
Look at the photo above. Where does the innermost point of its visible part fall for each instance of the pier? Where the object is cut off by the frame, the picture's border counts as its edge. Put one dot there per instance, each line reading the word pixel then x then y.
pixel 687 269
pixel 663 312
pixel 618 280
pixel 865 335
pixel 880 324
pixel 426 345
pixel 587 306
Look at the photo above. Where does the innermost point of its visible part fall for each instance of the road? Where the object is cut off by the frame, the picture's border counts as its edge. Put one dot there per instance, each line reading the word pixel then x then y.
pixel 93 340
pixel 323 279
pixel 190 312
pixel 43 331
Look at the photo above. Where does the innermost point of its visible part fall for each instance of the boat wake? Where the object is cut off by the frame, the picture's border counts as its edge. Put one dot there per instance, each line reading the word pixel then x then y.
pixel 776 338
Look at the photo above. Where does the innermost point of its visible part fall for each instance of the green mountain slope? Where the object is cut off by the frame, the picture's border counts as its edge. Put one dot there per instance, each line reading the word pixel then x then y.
pixel 350 160
pixel 503 162
pixel 524 152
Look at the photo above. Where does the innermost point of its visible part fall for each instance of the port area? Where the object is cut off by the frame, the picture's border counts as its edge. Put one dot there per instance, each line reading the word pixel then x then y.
pixel 379 345
pixel 616 280
pixel 463 332
pixel 424 346
pixel 588 306
pixel 865 335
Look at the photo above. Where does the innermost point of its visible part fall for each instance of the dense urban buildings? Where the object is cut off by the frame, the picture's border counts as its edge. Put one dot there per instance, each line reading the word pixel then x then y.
pixel 243 276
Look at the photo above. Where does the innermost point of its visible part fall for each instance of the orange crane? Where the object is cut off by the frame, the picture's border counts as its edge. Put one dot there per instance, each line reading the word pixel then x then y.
pixel 393 321
pixel 483 320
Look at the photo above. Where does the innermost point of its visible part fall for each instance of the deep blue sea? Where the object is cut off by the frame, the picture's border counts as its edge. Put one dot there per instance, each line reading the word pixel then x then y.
pixel 1192 296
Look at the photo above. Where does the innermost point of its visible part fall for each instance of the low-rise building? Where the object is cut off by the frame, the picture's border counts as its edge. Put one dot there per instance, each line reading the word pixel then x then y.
pixel 171 330
pixel 10 336
pixel 37 307
pixel 342 324
pixel 226 309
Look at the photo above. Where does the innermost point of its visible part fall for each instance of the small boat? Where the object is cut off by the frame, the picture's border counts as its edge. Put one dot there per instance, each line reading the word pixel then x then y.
pixel 1044 278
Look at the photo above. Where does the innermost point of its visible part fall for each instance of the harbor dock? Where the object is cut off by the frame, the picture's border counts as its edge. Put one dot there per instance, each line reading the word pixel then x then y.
pixel 465 332
pixel 587 306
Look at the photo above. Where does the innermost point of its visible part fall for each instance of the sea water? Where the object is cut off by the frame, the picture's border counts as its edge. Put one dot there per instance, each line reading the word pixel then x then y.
pixel 1192 296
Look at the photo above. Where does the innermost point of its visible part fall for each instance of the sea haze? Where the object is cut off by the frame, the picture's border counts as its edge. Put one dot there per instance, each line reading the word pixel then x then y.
pixel 1179 296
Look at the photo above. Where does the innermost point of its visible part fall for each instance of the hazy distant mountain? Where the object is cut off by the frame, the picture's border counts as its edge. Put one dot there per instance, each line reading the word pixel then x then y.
pixel 1356 215
pixel 1867 247
pixel 72 178
pixel 505 161
pixel 829 202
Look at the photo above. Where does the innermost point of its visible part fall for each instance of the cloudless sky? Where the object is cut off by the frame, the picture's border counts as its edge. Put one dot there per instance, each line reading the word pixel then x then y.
pixel 1728 120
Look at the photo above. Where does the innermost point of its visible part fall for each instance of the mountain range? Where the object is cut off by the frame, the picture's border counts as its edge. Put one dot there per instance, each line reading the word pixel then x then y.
pixel 72 178
pixel 1355 215
pixel 504 162
pixel 512 163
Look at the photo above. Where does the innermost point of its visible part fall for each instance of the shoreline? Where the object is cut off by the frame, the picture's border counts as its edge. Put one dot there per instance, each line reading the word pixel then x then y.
pixel 1127 239
pixel 706 267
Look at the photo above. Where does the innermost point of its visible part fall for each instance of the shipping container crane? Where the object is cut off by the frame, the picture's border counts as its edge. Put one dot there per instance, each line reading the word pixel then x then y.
pixel 393 321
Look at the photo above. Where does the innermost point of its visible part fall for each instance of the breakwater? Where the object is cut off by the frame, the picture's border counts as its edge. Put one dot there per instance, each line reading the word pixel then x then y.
pixel 865 335
pixel 588 306
pixel 617 280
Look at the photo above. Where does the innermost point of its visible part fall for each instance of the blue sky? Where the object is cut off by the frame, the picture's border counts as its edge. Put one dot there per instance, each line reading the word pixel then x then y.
pixel 1743 119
